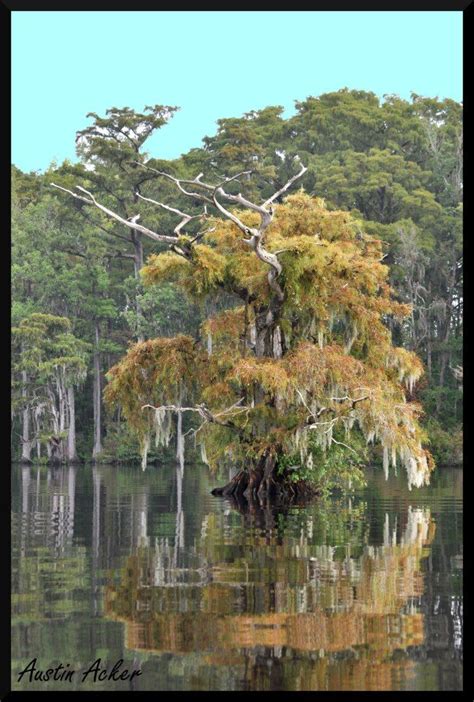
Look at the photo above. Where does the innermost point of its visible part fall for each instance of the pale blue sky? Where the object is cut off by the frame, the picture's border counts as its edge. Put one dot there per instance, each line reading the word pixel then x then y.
pixel 212 65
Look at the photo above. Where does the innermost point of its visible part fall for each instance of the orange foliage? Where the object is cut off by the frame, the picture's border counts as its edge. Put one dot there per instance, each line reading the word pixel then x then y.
pixel 331 329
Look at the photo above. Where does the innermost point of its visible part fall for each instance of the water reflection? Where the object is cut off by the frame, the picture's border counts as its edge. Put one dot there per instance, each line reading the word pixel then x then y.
pixel 53 517
pixel 359 593
pixel 281 593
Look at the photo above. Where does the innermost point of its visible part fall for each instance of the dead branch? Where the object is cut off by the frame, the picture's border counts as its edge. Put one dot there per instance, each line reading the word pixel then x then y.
pixel 90 200
pixel 206 414
pixel 285 187
pixel 334 441
pixel 213 194
pixel 350 399
pixel 178 182
pixel 186 218
pixel 255 235
pixel 312 420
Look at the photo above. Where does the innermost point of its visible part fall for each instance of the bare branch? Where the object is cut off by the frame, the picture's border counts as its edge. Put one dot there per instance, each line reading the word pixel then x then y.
pixel 235 407
pixel 206 415
pixel 197 180
pixel 265 215
pixel 255 235
pixel 314 424
pixel 346 397
pixel 334 441
pixel 285 187
pixel 178 182
pixel 215 189
pixel 174 408
pixel 186 218
pixel 230 215
pixel 331 422
pixel 203 410
pixel 90 200
pixel 75 195
pixel 99 226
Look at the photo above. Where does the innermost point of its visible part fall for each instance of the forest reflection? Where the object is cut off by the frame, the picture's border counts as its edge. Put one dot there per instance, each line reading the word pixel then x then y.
pixel 337 594
pixel 263 589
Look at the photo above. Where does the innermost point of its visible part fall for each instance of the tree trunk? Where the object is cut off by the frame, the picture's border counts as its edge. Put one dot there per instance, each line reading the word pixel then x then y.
pixel 137 266
pixel 180 441
pixel 55 443
pixel 138 260
pixel 269 338
pixel 444 358
pixel 36 430
pixel 61 404
pixel 97 450
pixel 261 483
pixel 25 437
pixel 446 353
pixel 71 437
pixel 429 362
pixel 55 453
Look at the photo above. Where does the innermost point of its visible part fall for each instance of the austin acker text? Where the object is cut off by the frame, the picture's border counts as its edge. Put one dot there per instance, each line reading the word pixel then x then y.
pixel 62 673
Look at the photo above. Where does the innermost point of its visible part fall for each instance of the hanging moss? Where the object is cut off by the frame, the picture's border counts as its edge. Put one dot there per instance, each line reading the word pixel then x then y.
pixel 331 379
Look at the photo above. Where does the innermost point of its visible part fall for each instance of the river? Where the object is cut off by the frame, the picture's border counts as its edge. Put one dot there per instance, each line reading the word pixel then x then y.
pixel 349 593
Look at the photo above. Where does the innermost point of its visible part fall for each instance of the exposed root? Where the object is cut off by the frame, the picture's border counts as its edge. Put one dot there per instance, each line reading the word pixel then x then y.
pixel 261 484
pixel 236 486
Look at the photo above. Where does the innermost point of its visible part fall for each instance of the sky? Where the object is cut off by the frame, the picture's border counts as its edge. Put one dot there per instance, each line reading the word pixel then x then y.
pixel 212 65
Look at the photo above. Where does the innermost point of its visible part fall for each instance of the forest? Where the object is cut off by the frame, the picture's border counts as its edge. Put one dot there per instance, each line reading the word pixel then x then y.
pixel 259 280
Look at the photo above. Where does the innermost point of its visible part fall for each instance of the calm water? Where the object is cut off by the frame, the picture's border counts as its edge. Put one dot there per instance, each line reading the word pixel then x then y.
pixel 360 593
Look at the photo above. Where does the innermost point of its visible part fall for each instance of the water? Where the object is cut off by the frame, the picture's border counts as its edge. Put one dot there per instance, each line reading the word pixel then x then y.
pixel 359 593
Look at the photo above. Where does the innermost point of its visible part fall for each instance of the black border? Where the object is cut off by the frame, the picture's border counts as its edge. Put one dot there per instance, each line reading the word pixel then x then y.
pixel 318 5
pixel 6 8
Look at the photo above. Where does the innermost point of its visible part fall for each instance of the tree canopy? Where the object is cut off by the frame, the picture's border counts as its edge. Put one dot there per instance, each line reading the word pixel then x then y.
pixel 325 368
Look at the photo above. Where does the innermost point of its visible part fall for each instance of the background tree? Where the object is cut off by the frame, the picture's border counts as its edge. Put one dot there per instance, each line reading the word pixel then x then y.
pixel 60 266
pixel 109 149
pixel 49 363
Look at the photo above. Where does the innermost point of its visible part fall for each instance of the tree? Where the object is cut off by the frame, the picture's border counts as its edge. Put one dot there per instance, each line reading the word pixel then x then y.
pixel 389 161
pixel 110 149
pixel 302 363
pixel 60 265
pixel 49 363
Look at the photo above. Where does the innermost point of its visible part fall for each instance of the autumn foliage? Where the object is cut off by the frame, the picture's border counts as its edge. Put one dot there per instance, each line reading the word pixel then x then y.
pixel 333 373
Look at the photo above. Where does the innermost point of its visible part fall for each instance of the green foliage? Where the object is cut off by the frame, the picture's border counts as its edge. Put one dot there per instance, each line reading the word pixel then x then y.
pixel 338 468
pixel 48 360
pixel 45 342
pixel 121 445
pixel 164 311
pixel 446 446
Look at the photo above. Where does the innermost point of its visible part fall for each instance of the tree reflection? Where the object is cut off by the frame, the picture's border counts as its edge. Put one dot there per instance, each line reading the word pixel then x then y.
pixel 259 594
pixel 48 509
pixel 362 593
